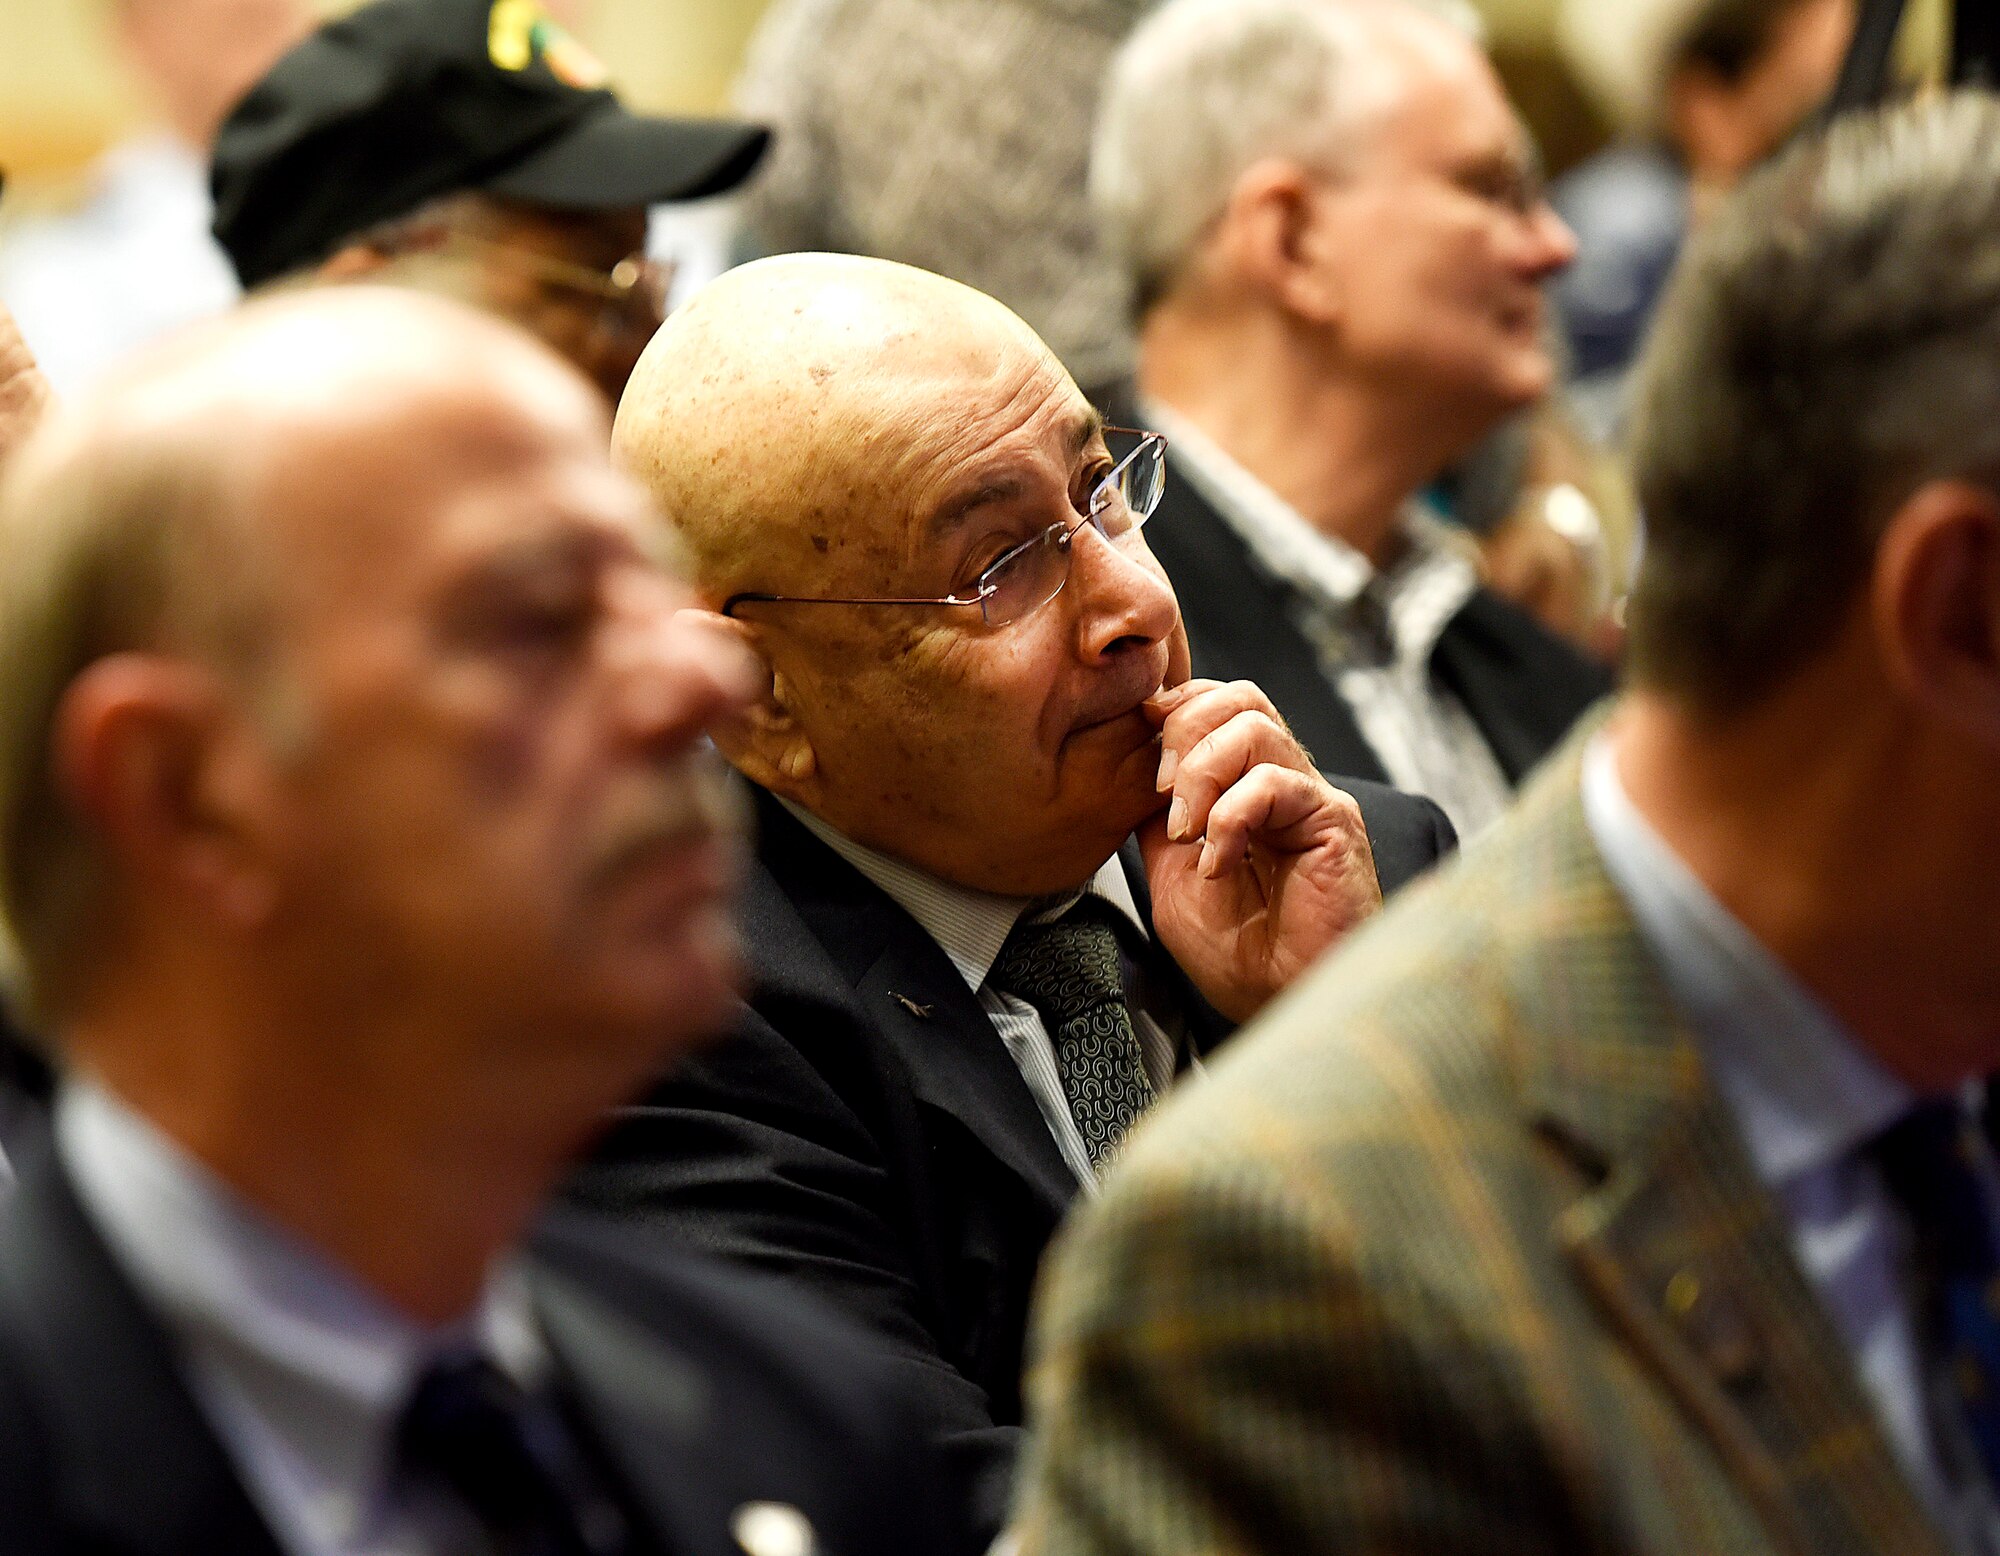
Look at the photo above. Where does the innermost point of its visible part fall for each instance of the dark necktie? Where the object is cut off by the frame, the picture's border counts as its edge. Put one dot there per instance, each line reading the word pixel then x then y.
pixel 1931 1161
pixel 1068 970
pixel 511 1461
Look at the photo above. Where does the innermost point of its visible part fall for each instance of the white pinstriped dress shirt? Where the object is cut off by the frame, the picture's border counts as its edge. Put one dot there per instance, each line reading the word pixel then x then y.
pixel 1373 630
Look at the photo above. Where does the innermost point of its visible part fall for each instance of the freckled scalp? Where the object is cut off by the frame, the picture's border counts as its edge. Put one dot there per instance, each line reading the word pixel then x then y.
pixel 781 417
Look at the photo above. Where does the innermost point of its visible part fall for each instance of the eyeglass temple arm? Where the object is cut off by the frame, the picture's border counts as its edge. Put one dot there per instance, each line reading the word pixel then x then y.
pixel 729 605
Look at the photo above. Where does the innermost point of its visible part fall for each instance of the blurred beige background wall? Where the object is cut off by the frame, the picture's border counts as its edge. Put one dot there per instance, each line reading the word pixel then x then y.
pixel 63 95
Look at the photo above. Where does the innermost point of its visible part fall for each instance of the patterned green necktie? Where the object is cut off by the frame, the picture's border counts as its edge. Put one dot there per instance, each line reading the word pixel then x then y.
pixel 1068 970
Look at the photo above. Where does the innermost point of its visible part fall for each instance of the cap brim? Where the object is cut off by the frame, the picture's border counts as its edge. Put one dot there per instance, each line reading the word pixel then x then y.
pixel 613 158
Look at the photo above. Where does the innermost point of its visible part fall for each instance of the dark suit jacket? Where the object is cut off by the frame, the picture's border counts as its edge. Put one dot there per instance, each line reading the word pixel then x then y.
pixel 1523 686
pixel 754 1396
pixel 866 1134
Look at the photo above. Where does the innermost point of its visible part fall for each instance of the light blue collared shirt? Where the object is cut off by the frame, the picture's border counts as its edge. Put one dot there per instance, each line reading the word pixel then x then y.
pixel 1809 1102
pixel 302 1371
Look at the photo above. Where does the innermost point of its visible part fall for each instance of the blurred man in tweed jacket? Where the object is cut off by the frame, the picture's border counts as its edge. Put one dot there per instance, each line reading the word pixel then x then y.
pixel 1627 1189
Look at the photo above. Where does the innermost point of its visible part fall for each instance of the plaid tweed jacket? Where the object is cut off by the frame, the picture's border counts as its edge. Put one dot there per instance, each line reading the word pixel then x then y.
pixel 1458 1250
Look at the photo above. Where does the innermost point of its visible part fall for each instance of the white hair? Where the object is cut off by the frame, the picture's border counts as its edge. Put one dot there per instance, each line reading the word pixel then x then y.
pixel 1203 89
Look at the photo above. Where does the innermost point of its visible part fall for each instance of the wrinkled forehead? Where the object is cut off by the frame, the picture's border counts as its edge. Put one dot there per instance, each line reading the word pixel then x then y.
pixel 801 420
pixel 931 444
pixel 382 508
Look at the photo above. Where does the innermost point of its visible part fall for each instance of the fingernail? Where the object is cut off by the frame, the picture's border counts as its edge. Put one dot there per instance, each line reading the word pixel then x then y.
pixel 1211 862
pixel 1177 821
pixel 1170 763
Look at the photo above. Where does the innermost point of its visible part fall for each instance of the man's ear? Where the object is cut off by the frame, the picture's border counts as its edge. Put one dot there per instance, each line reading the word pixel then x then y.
pixel 1936 604
pixel 1273 236
pixel 165 769
pixel 767 743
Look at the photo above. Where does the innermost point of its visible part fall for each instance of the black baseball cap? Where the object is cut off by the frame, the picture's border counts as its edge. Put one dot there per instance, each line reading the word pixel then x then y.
pixel 405 101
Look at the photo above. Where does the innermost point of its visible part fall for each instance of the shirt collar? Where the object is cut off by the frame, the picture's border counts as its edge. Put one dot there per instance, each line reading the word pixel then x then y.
pixel 1281 540
pixel 322 1364
pixel 1805 1094
pixel 969 926
pixel 1280 537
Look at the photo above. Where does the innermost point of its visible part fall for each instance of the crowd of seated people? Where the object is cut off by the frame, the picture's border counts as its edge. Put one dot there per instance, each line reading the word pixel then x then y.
pixel 601 909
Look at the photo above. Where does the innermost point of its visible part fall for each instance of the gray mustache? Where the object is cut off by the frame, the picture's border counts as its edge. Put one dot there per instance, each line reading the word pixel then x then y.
pixel 703 799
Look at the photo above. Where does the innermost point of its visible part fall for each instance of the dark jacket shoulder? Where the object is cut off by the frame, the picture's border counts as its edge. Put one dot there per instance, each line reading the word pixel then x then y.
pixel 706 1389
pixel 1523 686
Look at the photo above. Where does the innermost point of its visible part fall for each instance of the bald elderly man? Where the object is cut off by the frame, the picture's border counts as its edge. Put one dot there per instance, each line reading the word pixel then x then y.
pixel 361 848
pixel 1016 871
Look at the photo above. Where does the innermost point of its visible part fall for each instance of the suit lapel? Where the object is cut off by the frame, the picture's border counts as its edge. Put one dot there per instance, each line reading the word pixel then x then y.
pixel 1672 1235
pixel 650 1415
pixel 907 989
pixel 1521 687
pixel 138 1468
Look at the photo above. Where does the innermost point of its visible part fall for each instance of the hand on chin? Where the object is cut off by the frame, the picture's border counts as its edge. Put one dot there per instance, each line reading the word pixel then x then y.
pixel 1259 865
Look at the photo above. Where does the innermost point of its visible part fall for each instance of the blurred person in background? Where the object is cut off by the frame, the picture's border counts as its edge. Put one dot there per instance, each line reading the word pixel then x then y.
pixel 25 394
pixel 362 848
pixel 1632 1190
pixel 1015 871
pixel 1554 519
pixel 25 1079
pixel 471 146
pixel 952 135
pixel 1339 247
pixel 137 258
pixel 1711 88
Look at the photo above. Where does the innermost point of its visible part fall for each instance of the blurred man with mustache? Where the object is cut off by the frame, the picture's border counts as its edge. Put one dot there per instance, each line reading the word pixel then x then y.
pixel 973 694
pixel 361 849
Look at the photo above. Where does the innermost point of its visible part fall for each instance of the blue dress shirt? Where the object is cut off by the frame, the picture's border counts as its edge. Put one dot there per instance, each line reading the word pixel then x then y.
pixel 1809 1102
pixel 302 1372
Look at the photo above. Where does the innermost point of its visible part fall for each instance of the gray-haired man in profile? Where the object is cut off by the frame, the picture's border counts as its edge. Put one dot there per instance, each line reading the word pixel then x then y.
pixel 1335 230
pixel 1630 1191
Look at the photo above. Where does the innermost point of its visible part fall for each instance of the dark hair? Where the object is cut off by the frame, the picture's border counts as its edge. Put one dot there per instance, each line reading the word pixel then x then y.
pixel 1730 37
pixel 1830 344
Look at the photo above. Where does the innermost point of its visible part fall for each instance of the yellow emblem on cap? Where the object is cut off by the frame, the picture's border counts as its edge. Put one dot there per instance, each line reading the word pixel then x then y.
pixel 518 32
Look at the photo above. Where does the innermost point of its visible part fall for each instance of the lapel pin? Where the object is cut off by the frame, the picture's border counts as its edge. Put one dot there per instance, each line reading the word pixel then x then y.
pixel 921 1012
pixel 773 1529
pixel 1719 1333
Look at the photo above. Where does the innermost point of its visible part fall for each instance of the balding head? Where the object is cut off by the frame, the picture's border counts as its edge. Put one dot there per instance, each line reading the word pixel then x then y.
pixel 777 411
pixel 358 560
pixel 171 509
pixel 844 429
